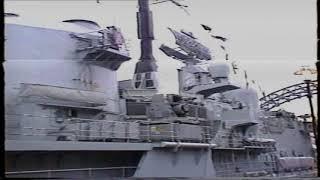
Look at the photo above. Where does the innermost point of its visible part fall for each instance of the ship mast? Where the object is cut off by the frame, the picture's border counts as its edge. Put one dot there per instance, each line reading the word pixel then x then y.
pixel 144 75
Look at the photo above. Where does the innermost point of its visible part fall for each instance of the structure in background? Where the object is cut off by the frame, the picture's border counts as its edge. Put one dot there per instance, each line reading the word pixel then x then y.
pixel 67 116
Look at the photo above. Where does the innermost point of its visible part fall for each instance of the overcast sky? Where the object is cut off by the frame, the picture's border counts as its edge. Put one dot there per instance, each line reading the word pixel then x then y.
pixel 269 38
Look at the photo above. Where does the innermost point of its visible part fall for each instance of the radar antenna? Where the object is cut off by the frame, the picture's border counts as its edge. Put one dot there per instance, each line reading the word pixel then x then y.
pixel 189 50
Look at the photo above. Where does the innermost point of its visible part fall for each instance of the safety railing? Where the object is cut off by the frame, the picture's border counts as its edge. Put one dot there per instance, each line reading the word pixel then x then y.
pixel 100 130
pixel 82 172
pixel 226 140
pixel 236 169
pixel 80 129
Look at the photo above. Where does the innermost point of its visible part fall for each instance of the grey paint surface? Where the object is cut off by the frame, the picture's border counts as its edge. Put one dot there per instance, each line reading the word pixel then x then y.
pixel 184 163
pixel 14 145
pixel 49 58
pixel 62 66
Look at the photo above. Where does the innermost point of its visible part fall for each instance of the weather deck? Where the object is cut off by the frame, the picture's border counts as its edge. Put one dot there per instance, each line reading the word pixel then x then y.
pixel 15 145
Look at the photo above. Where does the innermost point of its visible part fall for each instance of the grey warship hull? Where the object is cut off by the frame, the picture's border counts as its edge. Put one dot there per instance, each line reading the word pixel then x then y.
pixel 68 116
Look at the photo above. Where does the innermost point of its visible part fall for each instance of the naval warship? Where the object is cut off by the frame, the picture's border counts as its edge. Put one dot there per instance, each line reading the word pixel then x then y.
pixel 67 115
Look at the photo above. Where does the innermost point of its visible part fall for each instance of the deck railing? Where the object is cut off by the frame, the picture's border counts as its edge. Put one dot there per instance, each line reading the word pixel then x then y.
pixel 123 132
pixel 236 169
pixel 84 172
pixel 120 131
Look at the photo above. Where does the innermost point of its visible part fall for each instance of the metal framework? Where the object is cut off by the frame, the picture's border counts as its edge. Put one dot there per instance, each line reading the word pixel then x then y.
pixel 287 94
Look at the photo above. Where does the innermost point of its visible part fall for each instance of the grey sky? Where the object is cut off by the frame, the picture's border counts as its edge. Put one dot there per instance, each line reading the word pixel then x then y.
pixel 269 38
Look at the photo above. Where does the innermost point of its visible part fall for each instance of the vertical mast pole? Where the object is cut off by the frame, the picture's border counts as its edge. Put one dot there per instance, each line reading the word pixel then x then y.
pixel 146 66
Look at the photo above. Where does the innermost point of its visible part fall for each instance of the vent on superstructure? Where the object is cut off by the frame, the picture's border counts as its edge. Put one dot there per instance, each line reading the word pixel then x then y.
pixel 136 108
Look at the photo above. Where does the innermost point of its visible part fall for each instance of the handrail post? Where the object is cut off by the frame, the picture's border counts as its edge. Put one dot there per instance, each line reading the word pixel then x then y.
pixel 172 131
pixel 90 172
pixel 127 132
pixel 149 131
pixel 49 173
pixel 123 172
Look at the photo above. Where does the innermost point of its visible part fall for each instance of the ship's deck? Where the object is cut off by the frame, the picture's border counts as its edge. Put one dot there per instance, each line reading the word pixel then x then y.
pixel 15 145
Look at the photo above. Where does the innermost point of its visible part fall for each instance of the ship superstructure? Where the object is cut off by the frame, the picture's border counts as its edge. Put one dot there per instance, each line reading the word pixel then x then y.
pixel 68 116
